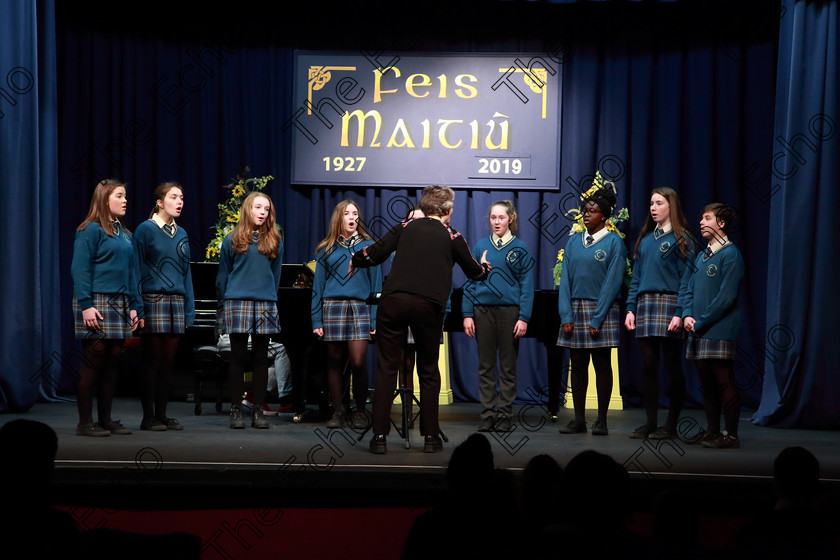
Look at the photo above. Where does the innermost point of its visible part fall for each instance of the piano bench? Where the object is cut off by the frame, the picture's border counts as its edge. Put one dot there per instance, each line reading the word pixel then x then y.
pixel 209 363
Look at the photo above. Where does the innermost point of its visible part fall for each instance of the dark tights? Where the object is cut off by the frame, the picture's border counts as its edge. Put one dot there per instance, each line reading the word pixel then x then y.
pixel 100 360
pixel 239 362
pixel 354 352
pixel 159 356
pixel 579 379
pixel 672 356
pixel 719 395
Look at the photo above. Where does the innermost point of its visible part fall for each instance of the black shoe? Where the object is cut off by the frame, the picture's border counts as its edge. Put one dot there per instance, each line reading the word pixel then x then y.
pixel 722 441
pixel 663 432
pixel 502 424
pixel 486 424
pixel 700 437
pixel 600 428
pixel 378 445
pixel 337 421
pixel 116 428
pixel 94 430
pixel 642 432
pixel 360 420
pixel 152 425
pixel 573 427
pixel 237 421
pixel 258 418
pixel 432 444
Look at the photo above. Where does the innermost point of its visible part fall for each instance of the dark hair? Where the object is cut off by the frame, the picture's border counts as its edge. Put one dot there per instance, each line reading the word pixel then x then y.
pixel 796 473
pixel 604 198
pixel 723 213
pixel 676 216
pixel 161 191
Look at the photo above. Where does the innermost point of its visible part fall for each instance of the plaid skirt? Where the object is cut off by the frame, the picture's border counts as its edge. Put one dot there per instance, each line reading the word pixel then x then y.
pixel 164 314
pixel 115 322
pixel 244 316
pixel 654 313
pixel 583 309
pixel 709 349
pixel 345 319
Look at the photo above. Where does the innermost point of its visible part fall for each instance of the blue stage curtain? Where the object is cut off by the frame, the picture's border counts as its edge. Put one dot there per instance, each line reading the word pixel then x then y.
pixel 801 386
pixel 643 98
pixel 30 313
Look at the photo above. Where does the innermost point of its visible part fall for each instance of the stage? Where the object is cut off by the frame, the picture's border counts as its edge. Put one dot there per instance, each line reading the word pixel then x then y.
pixel 305 490
pixel 306 461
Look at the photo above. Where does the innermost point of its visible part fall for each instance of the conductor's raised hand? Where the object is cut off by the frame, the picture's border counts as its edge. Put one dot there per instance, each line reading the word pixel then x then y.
pixel 484 262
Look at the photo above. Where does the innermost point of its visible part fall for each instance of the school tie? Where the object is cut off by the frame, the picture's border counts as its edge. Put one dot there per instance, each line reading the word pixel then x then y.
pixel 169 229
pixel 589 240
pixel 708 252
pixel 499 243
pixel 658 233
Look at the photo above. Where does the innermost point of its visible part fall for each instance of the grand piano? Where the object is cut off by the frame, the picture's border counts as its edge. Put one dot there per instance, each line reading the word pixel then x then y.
pixel 293 306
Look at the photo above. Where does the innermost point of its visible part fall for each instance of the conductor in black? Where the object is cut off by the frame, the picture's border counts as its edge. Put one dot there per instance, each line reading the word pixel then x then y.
pixel 415 295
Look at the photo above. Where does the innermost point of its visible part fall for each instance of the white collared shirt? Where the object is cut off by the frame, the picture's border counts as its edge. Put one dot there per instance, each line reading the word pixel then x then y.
pixel 664 230
pixel 504 239
pixel 596 237
pixel 717 244
pixel 160 223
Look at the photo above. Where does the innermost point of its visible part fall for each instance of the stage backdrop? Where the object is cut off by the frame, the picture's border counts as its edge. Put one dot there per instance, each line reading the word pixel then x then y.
pixel 475 121
pixel 652 94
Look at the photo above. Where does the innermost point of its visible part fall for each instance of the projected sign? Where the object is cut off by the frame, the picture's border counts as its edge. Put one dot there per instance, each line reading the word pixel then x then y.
pixel 469 120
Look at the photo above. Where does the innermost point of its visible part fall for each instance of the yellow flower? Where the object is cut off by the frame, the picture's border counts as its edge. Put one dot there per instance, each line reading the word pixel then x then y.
pixel 238 190
pixel 233 218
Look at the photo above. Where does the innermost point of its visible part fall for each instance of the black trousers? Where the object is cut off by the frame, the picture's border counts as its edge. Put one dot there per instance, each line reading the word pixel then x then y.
pixel 397 312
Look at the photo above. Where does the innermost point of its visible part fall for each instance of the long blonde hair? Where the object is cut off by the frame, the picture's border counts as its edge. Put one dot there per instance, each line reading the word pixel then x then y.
pixel 100 211
pixel 337 226
pixel 269 238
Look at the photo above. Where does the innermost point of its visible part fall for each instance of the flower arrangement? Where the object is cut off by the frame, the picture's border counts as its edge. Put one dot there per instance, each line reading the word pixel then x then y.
pixel 239 188
pixel 611 225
